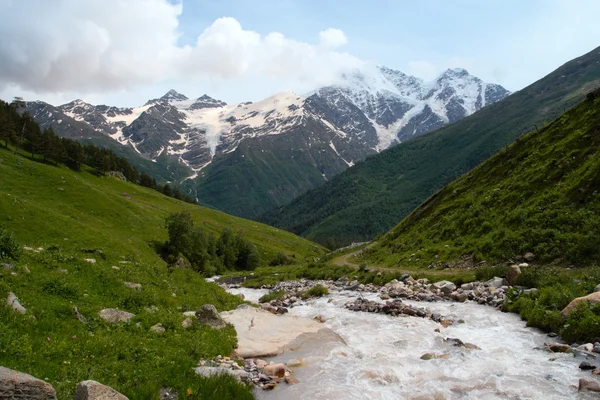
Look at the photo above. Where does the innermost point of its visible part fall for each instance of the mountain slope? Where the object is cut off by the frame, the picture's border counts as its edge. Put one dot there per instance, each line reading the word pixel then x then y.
pixel 375 194
pixel 333 128
pixel 538 195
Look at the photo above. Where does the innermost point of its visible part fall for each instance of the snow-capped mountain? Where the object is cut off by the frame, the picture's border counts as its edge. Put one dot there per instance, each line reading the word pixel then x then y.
pixel 372 110
pixel 330 128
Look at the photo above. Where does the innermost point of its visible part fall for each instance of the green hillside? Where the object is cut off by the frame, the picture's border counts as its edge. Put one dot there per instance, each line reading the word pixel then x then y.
pixel 539 195
pixel 73 216
pixel 374 195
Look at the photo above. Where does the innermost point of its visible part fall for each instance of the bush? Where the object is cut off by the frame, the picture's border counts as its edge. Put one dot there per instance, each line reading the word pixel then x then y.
pixel 280 259
pixel 315 291
pixel 9 247
pixel 273 295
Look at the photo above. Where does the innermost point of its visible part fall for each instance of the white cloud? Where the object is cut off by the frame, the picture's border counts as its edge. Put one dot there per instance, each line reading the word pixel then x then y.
pixel 423 69
pixel 332 37
pixel 97 46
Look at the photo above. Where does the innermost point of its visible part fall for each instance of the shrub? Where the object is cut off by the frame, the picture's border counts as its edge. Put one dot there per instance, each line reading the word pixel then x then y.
pixel 315 291
pixel 280 259
pixel 273 295
pixel 9 247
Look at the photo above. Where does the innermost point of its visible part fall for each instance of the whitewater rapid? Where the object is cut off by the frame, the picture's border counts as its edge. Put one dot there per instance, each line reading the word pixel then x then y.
pixel 382 356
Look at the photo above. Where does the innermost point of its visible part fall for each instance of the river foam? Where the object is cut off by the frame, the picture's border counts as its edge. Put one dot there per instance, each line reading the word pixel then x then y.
pixel 382 356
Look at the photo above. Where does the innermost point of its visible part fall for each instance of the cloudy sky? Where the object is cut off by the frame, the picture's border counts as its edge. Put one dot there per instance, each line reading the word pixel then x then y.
pixel 123 52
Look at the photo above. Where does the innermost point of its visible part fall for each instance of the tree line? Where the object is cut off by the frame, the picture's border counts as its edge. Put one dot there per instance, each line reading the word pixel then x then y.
pixel 204 252
pixel 21 131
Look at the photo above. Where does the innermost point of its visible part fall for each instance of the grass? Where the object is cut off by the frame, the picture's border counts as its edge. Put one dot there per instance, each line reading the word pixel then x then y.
pixel 272 295
pixel 539 195
pixel 74 216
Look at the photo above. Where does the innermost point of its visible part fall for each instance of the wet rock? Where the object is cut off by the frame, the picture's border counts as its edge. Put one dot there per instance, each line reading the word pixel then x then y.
pixel 462 297
pixel 92 390
pixel 18 385
pixel 467 286
pixel 586 347
pixel 115 316
pixel 294 362
pixel 434 356
pixel 495 282
pixel 241 296
pixel 445 287
pixel 13 302
pixel 559 348
pixel 591 298
pixel 158 329
pixel 591 385
pixel 277 370
pixel 319 318
pixel 586 365
pixel 471 346
pixel 269 386
pixel 291 381
pixel 208 315
pixel 260 364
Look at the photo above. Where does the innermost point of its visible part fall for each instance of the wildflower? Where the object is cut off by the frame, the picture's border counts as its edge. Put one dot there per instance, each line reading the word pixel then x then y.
pixel 74 337
pixel 48 339
pixel 189 391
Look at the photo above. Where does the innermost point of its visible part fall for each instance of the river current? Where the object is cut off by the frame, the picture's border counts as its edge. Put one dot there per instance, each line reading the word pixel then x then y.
pixel 381 357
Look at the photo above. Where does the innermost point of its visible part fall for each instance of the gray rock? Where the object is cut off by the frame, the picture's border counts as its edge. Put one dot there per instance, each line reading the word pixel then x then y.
pixel 13 303
pixel 134 286
pixel 18 385
pixel 78 315
pixel 115 316
pixel 168 394
pixel 8 267
pixel 186 323
pixel 496 282
pixel 158 329
pixel 445 286
pixel 529 257
pixel 467 286
pixel 208 372
pixel 597 289
pixel 92 390
pixel 208 315
pixel 586 365
pixel 591 385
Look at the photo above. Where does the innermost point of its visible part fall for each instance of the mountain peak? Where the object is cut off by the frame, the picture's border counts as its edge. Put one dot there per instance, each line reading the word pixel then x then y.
pixel 173 95
pixel 455 73
pixel 205 101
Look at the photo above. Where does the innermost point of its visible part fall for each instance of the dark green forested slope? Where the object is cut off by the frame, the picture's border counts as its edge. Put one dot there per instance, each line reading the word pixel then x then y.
pixel 539 195
pixel 372 196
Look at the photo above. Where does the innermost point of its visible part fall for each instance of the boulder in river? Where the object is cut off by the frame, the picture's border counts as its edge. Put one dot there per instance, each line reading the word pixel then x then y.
pixel 591 385
pixel 277 370
pixel 18 385
pixel 446 287
pixel 590 298
pixel 92 390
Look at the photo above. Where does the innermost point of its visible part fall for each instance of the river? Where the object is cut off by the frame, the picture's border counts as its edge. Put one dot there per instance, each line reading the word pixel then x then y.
pixel 382 356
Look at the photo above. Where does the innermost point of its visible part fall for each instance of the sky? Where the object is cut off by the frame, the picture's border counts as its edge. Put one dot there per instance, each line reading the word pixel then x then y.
pixel 124 52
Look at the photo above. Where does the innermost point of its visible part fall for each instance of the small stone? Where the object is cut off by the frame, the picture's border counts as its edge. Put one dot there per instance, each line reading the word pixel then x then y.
pixel 168 394
pixel 134 286
pixel 187 323
pixel 319 318
pixel 529 257
pixel 8 266
pixel 26 270
pixel 157 328
pixel 90 260
pixel 291 381
pixel 115 268
pixel 13 302
pixel 269 386
pixel 294 362
pixel 115 316
pixel 597 288
pixel 277 370
pixel 92 390
pixel 260 364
